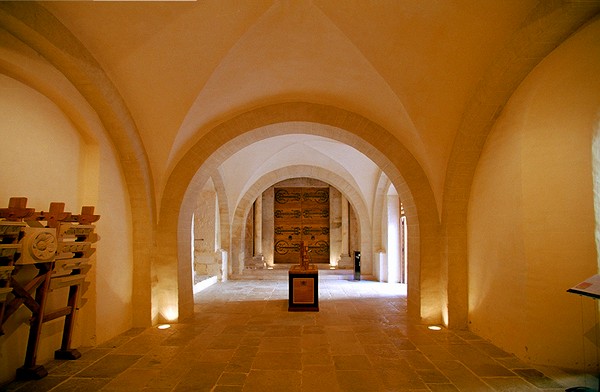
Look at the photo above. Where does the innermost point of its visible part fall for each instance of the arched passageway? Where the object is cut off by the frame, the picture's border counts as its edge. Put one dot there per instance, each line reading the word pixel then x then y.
pixel 174 288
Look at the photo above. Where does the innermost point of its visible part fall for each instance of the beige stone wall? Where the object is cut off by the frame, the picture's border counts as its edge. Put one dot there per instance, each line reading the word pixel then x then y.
pixel 531 218
pixel 45 156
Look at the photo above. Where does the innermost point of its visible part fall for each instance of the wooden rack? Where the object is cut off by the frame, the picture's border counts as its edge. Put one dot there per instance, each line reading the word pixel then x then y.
pixel 59 245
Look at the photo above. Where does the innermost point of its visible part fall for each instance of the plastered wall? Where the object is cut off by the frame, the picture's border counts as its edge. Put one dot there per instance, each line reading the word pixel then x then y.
pixel 44 157
pixel 531 213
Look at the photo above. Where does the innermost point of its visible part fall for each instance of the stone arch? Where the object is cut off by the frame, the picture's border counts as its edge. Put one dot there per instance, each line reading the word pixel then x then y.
pixel 373 141
pixel 300 171
pixel 547 24
pixel 40 30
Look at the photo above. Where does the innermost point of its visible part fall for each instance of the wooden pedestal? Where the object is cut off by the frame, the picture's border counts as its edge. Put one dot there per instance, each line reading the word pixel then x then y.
pixel 304 289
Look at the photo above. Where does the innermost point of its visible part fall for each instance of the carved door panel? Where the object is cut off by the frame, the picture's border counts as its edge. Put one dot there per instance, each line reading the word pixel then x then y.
pixel 301 215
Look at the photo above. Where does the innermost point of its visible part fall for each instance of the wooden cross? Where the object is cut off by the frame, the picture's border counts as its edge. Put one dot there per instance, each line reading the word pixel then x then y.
pixel 17 210
pixel 56 215
pixel 87 216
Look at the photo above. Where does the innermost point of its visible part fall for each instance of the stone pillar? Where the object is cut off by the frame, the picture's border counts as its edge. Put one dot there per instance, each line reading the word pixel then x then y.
pixel 335 226
pixel 268 247
pixel 258 221
pixel 381 266
pixel 393 241
pixel 346 260
pixel 345 227
pixel 224 265
pixel 205 217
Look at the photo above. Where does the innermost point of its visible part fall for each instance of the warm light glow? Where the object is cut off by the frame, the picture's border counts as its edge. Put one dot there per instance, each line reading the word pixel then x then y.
pixel 170 313
pixel 331 267
pixel 269 267
pixel 435 328
pixel 164 326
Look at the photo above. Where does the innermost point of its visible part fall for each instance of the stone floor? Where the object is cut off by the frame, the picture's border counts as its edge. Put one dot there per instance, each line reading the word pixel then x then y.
pixel 242 338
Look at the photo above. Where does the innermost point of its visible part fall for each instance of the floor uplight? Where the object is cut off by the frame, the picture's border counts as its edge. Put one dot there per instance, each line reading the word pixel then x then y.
pixel 435 328
pixel 164 326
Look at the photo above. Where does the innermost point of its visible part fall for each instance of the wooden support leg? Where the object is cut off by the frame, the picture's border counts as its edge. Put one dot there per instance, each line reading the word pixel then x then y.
pixel 30 370
pixel 65 351
pixel 2 307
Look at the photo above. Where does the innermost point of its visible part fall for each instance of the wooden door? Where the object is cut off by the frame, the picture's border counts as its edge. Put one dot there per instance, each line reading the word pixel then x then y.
pixel 301 215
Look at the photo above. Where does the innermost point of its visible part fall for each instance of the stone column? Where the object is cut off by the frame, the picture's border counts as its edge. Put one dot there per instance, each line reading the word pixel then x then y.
pixel 345 227
pixel 393 243
pixel 335 226
pixel 258 221
pixel 205 217
pixel 268 245
pixel 346 260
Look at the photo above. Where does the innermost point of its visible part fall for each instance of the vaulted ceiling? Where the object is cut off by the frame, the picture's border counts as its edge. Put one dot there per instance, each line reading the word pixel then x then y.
pixel 409 66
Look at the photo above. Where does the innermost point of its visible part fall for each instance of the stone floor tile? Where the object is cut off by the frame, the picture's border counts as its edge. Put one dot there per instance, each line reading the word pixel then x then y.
pixel 227 388
pixel 228 378
pixel 358 381
pixel 239 366
pixel 481 364
pixel 400 379
pixel 432 376
pixel 158 357
pixel 381 350
pixel 225 342
pixel 319 379
pixel 168 377
pixel 69 368
pixel 216 355
pixel 277 361
pixel 312 359
pixel 75 384
pixel 313 330
pixel 95 353
pixel 45 384
pixel 109 366
pixel 273 380
pixel 416 359
pixel 385 363
pixel 376 337
pixel 442 388
pixel 283 344
pixel 141 344
pixel 435 352
pixel 462 377
pixel 351 362
pixel 131 380
pixel 283 331
pixel 490 349
pixel 510 384
pixel 537 378
pixel 202 377
pixel 347 349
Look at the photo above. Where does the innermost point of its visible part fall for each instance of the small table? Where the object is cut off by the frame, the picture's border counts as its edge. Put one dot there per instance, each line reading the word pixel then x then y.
pixel 304 289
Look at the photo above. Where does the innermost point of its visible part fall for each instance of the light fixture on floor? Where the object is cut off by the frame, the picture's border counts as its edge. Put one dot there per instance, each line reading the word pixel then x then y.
pixel 164 326
pixel 435 328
